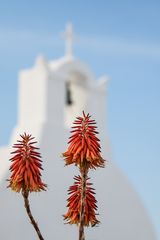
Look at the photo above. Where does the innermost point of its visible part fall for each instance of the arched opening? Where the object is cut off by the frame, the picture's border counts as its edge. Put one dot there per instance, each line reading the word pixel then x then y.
pixel 68 96
pixel 75 95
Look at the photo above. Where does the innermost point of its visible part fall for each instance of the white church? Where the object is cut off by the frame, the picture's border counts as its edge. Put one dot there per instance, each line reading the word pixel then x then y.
pixel 51 94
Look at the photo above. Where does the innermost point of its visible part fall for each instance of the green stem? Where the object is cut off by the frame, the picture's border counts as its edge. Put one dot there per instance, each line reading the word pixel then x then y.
pixel 28 210
pixel 84 172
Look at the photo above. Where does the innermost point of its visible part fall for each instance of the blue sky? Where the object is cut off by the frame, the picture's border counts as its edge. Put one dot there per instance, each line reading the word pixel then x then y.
pixel 117 38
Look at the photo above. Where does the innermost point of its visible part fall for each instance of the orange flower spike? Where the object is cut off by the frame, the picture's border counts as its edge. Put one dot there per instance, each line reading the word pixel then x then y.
pixel 25 167
pixel 73 214
pixel 84 147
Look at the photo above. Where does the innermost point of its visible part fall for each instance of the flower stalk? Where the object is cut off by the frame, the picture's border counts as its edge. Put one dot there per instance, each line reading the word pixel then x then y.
pixel 83 151
pixel 25 173
pixel 84 172
pixel 28 210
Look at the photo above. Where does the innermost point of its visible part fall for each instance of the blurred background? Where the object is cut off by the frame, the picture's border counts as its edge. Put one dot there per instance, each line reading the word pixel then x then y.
pixel 117 38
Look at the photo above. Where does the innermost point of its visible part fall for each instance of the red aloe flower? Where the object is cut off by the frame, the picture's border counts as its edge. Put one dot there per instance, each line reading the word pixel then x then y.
pixel 74 204
pixel 25 167
pixel 84 147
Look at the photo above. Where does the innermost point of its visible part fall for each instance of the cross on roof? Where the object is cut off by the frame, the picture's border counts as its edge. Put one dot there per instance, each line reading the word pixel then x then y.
pixel 69 37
